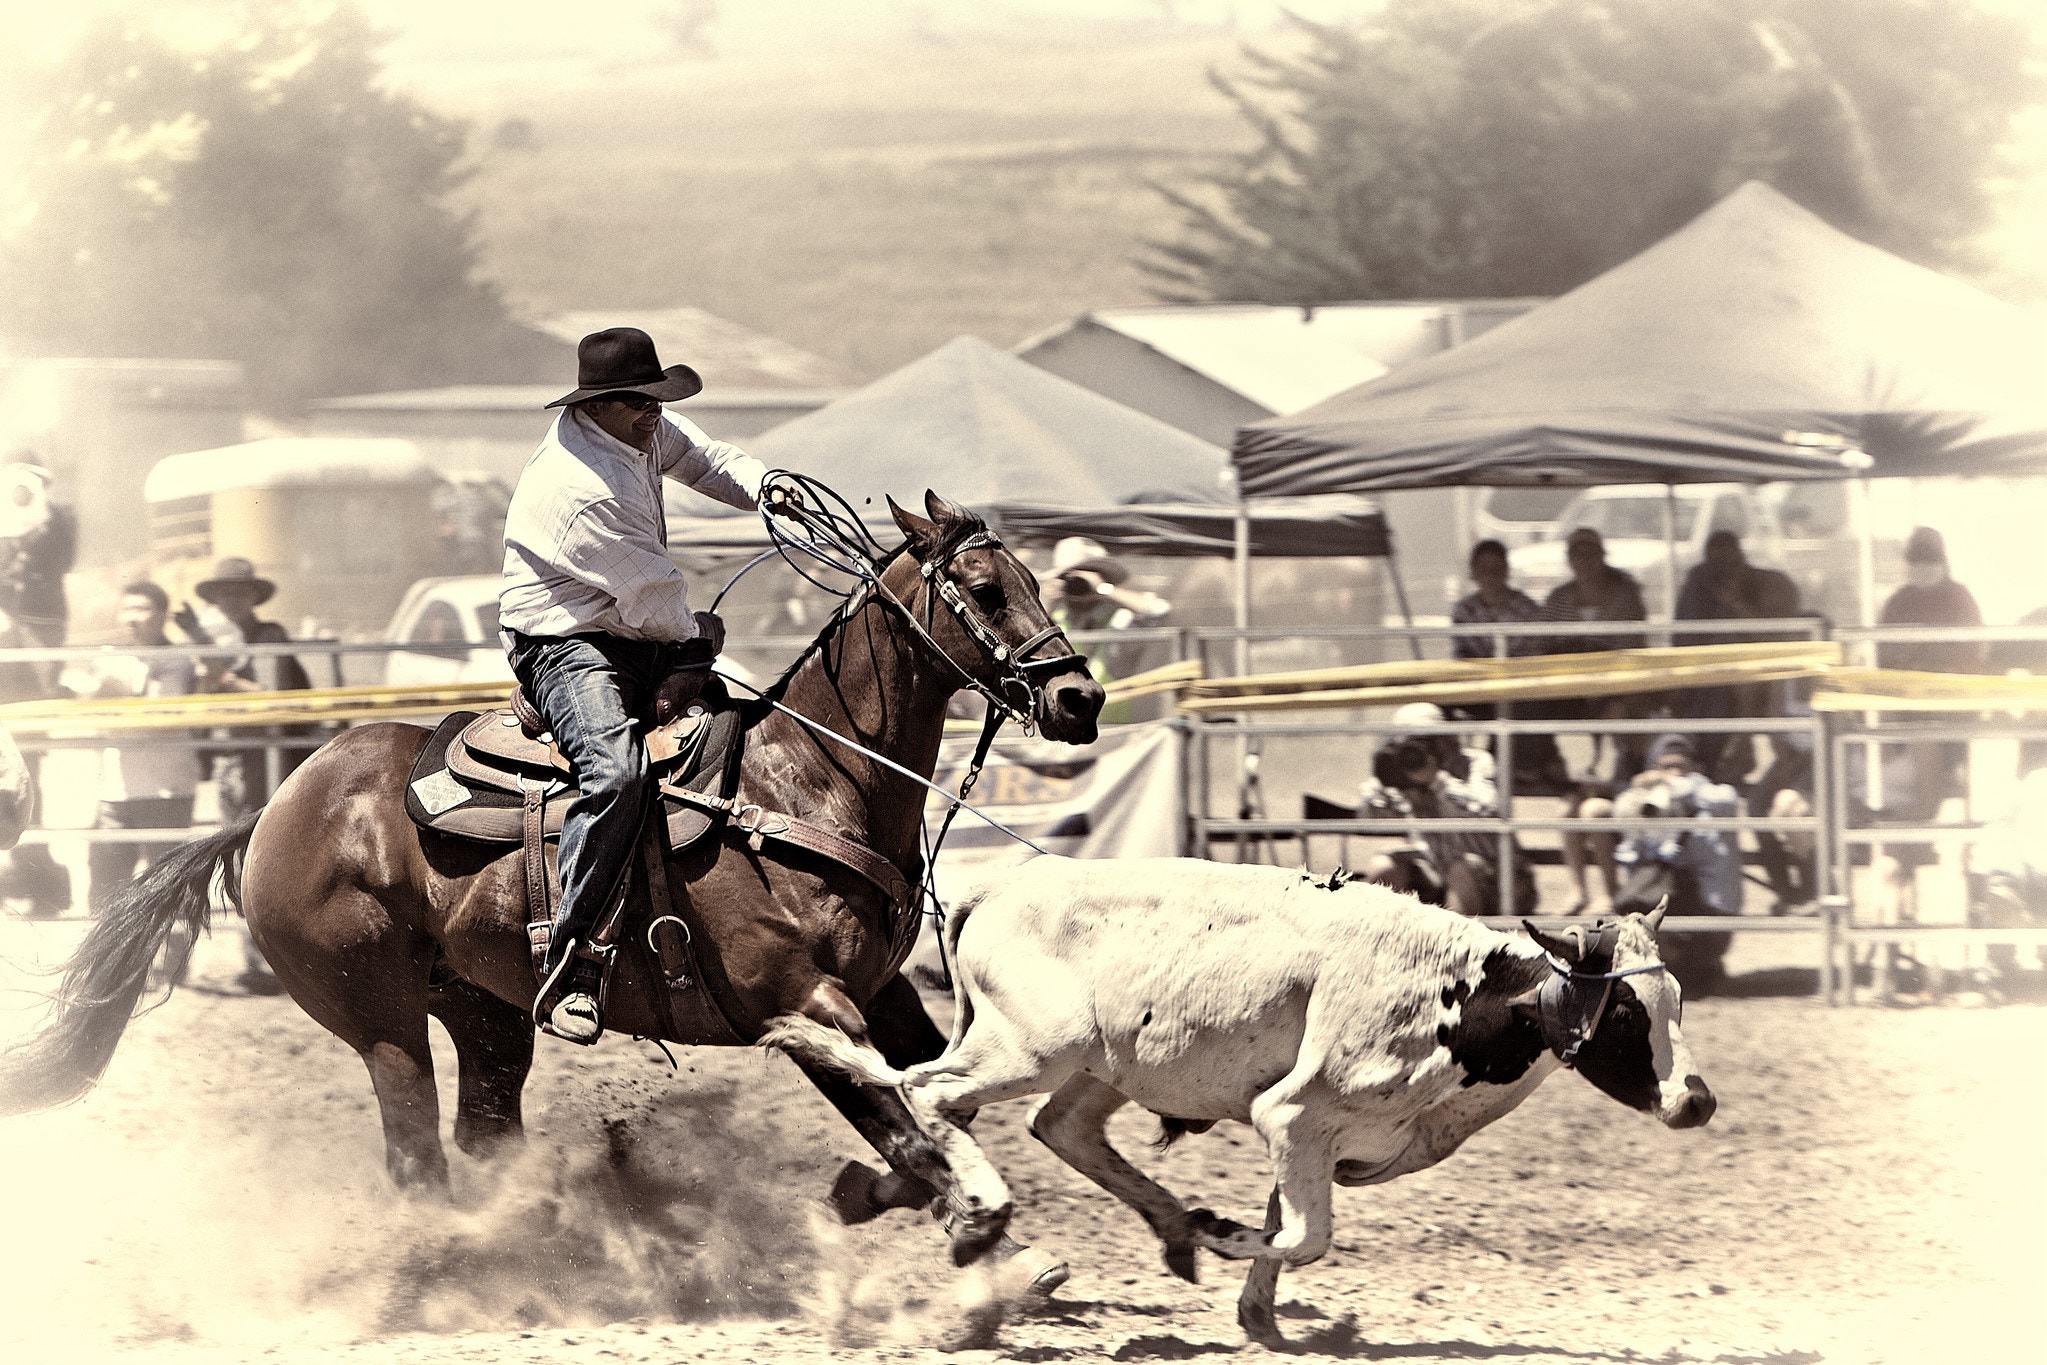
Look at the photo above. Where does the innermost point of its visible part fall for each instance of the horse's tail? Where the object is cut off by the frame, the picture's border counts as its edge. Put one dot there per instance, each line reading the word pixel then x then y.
pixel 104 980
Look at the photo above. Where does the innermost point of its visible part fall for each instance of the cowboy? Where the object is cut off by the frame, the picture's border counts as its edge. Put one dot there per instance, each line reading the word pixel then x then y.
pixel 594 615
pixel 1084 590
pixel 242 776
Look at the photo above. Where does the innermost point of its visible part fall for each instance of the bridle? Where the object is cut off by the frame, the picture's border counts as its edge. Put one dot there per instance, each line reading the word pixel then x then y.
pixel 1573 1004
pixel 1021 671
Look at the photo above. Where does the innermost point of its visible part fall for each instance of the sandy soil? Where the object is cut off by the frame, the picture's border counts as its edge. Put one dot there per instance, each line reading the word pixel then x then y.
pixel 1870 1191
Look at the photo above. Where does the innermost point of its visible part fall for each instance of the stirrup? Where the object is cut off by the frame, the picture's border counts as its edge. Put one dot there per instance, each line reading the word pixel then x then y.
pixel 567 1005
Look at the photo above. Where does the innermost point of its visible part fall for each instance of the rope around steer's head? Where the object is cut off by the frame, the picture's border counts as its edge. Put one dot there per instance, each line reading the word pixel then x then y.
pixel 1572 1004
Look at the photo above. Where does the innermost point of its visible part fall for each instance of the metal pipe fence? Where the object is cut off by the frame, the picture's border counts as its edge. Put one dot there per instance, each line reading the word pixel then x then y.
pixel 1838 824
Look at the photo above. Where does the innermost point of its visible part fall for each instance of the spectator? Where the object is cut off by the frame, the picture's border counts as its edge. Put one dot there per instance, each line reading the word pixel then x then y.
pixel 1084 591
pixel 1413 779
pixel 1494 601
pixel 241 777
pixel 1919 778
pixel 1699 870
pixel 140 788
pixel 1931 597
pixel 1724 586
pixel 38 542
pixel 1596 591
pixel 1538 766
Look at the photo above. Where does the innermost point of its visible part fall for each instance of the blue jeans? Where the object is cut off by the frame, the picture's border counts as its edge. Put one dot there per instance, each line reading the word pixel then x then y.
pixel 589 688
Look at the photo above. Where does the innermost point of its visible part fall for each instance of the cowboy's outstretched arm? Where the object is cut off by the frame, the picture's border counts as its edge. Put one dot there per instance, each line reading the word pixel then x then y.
pixel 717 469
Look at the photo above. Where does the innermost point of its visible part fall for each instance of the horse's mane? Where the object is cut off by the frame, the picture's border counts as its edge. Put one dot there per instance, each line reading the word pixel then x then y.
pixel 966 526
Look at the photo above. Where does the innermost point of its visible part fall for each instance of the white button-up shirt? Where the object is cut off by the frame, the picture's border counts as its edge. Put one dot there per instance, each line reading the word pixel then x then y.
pixel 586 541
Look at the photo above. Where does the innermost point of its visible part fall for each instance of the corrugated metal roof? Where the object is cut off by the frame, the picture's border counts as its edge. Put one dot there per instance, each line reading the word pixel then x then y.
pixel 288 462
pixel 1284 357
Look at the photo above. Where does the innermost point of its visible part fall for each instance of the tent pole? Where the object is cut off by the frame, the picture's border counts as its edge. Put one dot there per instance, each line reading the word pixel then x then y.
pixel 1243 551
pixel 1414 644
pixel 1865 553
pixel 1669 552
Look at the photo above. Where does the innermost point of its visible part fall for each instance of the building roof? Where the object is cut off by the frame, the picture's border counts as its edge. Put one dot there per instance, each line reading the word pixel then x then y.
pixel 288 462
pixel 1284 357
pixel 727 355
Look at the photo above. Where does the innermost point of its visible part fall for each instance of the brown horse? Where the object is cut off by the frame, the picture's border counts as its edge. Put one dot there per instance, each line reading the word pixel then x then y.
pixel 373 925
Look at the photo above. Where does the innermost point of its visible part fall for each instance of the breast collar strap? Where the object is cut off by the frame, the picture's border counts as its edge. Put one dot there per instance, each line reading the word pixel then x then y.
pixel 1572 1004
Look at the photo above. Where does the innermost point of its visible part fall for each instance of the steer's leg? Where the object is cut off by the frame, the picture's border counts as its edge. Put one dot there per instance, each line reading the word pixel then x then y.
pixel 1074 1122
pixel 1304 1165
pixel 1255 1306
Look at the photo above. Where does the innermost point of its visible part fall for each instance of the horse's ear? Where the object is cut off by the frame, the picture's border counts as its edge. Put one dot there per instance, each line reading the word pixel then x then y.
pixel 943 512
pixel 921 532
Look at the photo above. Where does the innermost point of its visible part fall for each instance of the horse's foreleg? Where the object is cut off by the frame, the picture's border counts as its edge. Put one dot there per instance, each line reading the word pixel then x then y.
pixel 494 1042
pixel 902 1032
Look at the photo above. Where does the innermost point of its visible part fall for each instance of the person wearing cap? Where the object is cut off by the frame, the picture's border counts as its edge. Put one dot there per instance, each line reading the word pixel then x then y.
pixel 1084 590
pixel 595 614
pixel 1919 778
pixel 1419 777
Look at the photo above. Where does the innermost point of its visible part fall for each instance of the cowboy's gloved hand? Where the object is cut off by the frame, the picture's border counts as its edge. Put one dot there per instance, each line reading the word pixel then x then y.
pixel 711 630
pixel 784 502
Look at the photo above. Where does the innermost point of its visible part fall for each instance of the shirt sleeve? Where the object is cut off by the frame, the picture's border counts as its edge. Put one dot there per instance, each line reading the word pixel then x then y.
pixel 601 548
pixel 717 469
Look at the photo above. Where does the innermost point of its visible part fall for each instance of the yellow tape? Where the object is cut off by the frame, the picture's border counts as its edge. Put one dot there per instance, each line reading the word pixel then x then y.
pixel 1604 674
pixel 1897 689
pixel 237 709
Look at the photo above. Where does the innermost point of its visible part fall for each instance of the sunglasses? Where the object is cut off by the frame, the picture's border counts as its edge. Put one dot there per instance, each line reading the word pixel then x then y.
pixel 638 402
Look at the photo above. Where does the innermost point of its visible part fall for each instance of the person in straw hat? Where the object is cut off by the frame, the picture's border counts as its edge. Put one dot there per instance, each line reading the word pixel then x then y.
pixel 594 615
pixel 1084 590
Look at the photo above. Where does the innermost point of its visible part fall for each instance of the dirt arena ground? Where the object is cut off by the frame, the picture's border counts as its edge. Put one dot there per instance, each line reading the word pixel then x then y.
pixel 1870 1191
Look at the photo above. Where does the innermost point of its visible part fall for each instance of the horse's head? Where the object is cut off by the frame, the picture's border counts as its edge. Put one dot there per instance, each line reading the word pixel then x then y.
pixel 1612 1012
pixel 980 606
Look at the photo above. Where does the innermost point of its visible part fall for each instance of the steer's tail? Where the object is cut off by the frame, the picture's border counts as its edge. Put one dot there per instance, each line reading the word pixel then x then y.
pixel 809 1041
pixel 105 977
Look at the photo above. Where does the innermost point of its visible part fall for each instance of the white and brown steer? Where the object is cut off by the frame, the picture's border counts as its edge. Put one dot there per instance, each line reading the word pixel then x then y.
pixel 1362 1033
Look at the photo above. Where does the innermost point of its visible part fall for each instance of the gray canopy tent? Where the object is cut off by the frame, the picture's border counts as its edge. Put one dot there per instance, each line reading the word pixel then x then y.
pixel 1042 456
pixel 1756 343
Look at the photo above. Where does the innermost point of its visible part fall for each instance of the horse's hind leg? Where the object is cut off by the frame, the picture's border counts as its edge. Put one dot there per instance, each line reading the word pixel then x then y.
pixel 494 1045
pixel 1073 1121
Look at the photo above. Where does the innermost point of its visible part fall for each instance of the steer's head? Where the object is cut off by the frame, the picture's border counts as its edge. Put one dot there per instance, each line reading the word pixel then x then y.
pixel 1614 1017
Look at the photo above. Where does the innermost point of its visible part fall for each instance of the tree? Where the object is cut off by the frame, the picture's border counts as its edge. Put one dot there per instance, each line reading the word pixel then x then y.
pixel 1470 148
pixel 229 181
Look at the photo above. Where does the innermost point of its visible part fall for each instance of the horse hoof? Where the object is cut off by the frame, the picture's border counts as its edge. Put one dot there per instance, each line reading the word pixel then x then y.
pixel 1260 1324
pixel 852 1198
pixel 1028 1271
pixel 1181 1260
pixel 974 1234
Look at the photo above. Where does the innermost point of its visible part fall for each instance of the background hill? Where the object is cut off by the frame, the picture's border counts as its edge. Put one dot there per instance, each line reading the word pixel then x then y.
pixel 866 202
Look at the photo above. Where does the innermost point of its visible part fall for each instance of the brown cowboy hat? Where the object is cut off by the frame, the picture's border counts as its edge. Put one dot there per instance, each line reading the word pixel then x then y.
pixel 622 360
pixel 234 571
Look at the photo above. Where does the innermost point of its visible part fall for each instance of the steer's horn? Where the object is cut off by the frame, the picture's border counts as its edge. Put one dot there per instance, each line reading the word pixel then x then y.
pixel 1655 917
pixel 1570 947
